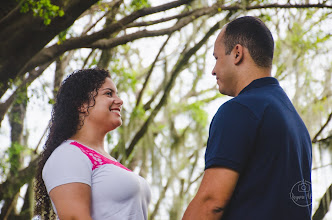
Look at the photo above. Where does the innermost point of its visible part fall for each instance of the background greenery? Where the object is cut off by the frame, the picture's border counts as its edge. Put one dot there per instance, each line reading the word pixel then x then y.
pixel 159 54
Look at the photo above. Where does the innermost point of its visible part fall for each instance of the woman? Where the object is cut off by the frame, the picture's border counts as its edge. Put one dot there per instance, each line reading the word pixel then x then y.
pixel 75 174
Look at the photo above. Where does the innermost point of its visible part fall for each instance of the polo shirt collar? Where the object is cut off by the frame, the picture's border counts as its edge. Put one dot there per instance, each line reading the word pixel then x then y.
pixel 257 83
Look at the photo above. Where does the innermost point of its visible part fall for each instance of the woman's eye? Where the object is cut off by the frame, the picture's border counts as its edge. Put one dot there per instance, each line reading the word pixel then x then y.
pixel 109 93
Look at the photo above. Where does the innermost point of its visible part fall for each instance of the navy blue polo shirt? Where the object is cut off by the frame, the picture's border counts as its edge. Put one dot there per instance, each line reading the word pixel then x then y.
pixel 260 135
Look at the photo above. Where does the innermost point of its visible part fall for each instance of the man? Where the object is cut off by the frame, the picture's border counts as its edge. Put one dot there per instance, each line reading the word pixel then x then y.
pixel 258 156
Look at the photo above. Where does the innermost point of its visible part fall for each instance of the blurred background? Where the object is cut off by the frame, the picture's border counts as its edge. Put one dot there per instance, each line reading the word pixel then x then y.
pixel 159 54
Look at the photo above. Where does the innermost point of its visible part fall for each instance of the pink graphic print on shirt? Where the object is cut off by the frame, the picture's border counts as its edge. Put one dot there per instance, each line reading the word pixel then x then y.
pixel 97 159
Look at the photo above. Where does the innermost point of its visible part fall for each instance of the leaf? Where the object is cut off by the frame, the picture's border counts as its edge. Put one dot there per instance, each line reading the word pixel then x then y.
pixel 43 9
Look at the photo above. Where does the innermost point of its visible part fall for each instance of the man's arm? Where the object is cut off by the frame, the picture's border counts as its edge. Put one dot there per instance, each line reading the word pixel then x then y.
pixel 213 194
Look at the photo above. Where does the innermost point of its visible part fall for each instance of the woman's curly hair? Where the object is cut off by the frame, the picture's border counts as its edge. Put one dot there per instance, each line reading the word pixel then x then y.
pixel 77 89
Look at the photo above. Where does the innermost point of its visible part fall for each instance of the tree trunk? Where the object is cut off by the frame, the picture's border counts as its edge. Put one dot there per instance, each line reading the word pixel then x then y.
pixel 324 205
pixel 16 120
pixel 23 35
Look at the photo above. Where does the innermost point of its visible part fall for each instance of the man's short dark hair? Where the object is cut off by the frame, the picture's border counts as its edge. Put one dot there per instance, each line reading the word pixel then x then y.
pixel 253 34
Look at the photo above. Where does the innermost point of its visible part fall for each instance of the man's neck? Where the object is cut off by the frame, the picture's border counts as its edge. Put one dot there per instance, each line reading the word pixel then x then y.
pixel 250 76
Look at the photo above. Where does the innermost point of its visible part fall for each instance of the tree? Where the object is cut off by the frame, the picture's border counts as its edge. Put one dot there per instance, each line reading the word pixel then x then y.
pixel 165 122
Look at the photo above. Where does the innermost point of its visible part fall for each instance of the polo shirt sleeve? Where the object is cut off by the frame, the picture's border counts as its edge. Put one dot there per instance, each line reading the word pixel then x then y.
pixel 66 165
pixel 231 137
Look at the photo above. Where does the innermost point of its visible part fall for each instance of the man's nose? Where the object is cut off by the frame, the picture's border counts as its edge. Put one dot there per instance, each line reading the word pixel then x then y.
pixel 213 72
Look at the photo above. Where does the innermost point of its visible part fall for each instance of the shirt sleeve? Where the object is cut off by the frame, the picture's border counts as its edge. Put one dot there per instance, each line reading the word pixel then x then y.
pixel 67 164
pixel 231 137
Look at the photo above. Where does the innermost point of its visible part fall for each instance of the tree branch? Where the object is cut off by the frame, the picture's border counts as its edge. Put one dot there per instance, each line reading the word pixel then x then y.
pixel 319 5
pixel 114 5
pixel 314 140
pixel 140 94
pixel 12 185
pixel 85 32
pixel 7 18
pixel 185 14
pixel 51 52
pixel 40 140
pixel 4 106
pixel 109 43
pixel 324 205
pixel 324 140
pixel 326 165
pixel 84 41
pixel 177 69
pixel 195 180
pixel 148 23
pixel 23 28
pixel 87 58
pixel 161 197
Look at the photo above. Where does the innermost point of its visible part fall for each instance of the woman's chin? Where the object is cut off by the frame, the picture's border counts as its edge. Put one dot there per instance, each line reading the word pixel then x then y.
pixel 115 125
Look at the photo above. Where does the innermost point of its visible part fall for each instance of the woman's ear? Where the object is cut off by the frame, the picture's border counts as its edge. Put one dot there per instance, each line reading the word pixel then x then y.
pixel 238 54
pixel 83 109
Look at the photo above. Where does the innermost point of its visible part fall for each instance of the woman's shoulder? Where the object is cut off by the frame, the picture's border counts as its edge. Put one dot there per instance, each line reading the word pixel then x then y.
pixel 66 164
pixel 67 152
pixel 65 148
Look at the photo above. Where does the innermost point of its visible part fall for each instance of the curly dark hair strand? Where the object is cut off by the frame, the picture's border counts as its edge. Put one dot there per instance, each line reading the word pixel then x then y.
pixel 77 89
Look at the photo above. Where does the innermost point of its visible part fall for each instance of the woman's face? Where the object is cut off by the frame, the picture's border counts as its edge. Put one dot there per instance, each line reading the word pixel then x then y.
pixel 105 114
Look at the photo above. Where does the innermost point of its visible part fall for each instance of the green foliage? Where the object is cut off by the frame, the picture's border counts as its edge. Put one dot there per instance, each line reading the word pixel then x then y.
pixel 139 4
pixel 4 165
pixel 198 114
pixel 298 55
pixel 62 36
pixel 42 8
pixel 93 63
pixel 14 153
pixel 302 39
pixel 176 137
pixel 265 17
pixel 130 77
pixel 51 101
pixel 123 77
pixel 22 96
pixel 16 117
pixel 108 138
pixel 103 7
pixel 138 112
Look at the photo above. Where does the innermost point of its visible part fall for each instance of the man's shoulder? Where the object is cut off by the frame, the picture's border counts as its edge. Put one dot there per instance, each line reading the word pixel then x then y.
pixel 253 96
pixel 255 100
pixel 233 108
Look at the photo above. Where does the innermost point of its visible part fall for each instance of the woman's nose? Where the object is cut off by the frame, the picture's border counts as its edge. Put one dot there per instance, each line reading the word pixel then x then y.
pixel 119 100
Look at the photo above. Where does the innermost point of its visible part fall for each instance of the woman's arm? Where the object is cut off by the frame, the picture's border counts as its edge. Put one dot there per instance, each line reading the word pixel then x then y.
pixel 72 201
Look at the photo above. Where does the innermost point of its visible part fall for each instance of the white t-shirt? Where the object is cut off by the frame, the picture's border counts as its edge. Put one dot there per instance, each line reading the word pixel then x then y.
pixel 116 192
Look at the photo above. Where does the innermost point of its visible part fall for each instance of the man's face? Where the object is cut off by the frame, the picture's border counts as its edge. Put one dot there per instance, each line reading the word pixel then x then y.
pixel 223 69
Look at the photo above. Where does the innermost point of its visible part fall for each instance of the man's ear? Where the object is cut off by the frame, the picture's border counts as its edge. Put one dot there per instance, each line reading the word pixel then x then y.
pixel 238 54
